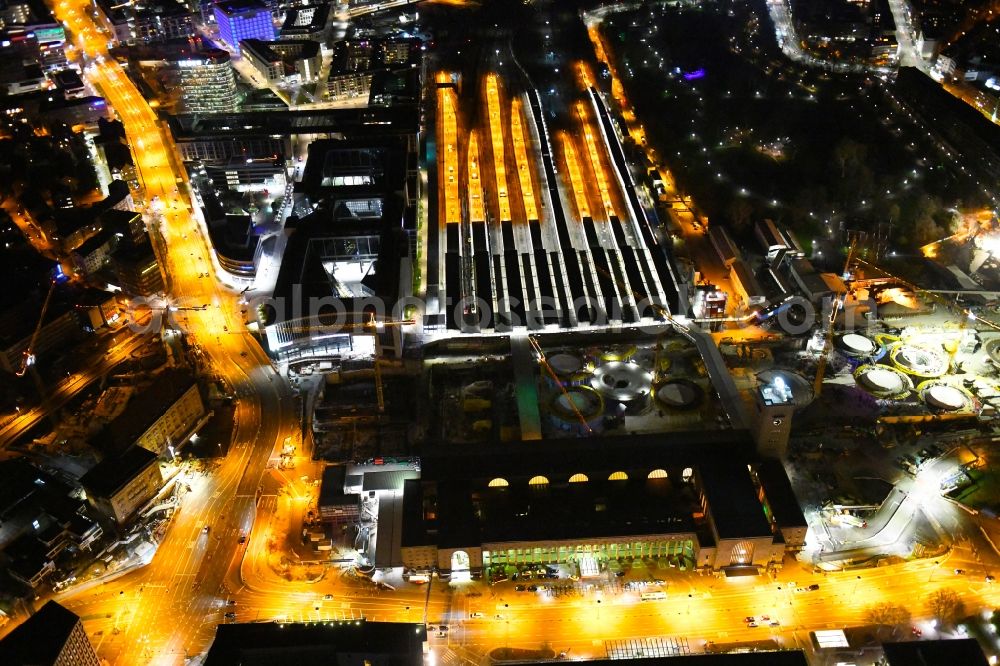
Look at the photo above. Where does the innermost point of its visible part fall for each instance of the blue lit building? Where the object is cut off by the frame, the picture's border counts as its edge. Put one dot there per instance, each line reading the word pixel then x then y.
pixel 243 19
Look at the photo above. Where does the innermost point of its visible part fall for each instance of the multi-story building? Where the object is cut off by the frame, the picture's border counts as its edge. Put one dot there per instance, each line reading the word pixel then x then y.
pixel 358 62
pixel 159 418
pixel 54 636
pixel 119 485
pixel 91 256
pixel 287 61
pixel 243 19
pixel 137 270
pixel 161 20
pixel 307 22
pixel 207 82
pixel 14 12
pixel 690 504
pixel 351 71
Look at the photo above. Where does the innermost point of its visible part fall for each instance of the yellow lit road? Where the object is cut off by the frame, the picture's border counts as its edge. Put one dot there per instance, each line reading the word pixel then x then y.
pixel 168 610
pixel 160 613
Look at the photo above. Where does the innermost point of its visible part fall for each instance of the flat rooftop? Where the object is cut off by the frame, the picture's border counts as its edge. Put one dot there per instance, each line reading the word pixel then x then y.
pixel 563 511
pixel 111 474
pixel 352 643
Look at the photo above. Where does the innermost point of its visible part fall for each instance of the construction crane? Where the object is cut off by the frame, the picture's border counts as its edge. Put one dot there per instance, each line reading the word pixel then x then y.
pixel 28 358
pixel 838 302
pixel 371 326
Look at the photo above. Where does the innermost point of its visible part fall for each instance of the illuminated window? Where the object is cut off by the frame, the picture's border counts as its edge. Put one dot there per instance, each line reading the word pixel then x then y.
pixel 499 483
pixel 687 474
pixel 578 478
pixel 538 481
pixel 618 476
pixel 657 474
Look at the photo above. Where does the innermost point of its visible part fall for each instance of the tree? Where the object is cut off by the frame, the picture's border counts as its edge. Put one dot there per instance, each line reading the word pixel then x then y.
pixel 740 211
pixel 849 154
pixel 946 606
pixel 887 614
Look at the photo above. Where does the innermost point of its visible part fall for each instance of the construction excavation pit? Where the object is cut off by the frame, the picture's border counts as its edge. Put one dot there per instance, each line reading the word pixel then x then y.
pixel 575 406
pixel 919 361
pixel 946 397
pixel 678 394
pixel 884 382
pixel 854 344
pixel 565 364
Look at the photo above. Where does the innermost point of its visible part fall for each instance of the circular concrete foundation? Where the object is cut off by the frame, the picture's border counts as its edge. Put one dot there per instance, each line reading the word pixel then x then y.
pixel 564 363
pixel 943 396
pixel 883 381
pixel 858 345
pixel 678 394
pixel 919 361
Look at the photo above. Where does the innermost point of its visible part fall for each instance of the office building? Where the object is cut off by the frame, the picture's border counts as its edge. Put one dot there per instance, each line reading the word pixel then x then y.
pixel 207 82
pixel 137 270
pixel 307 22
pixel 119 485
pixel 286 61
pixel 243 19
pixel 360 643
pixel 54 636
pixel 160 418
pixel 162 20
pixel 590 504
pixel 772 418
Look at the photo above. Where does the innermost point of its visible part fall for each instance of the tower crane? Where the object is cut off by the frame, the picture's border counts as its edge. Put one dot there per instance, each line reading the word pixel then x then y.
pixel 28 358
pixel 548 368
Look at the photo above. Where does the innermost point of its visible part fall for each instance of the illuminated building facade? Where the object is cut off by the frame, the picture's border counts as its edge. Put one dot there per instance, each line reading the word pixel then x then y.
pixel 243 19
pixel 590 504
pixel 208 84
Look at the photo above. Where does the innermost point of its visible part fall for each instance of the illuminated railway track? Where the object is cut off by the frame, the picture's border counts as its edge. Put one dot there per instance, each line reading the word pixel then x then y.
pixel 575 176
pixel 496 136
pixel 451 211
pixel 593 154
pixel 477 210
pixel 521 157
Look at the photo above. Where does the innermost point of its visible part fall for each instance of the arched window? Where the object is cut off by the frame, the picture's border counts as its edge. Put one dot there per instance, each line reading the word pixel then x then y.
pixel 578 478
pixel 538 481
pixel 618 476
pixel 657 474
pixel 687 474
pixel 499 483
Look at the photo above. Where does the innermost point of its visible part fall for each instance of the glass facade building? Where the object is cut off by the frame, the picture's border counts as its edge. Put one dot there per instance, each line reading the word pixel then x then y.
pixel 207 82
pixel 243 19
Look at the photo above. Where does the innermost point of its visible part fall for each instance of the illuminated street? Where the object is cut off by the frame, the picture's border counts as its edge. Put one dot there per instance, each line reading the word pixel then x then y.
pixel 462 333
